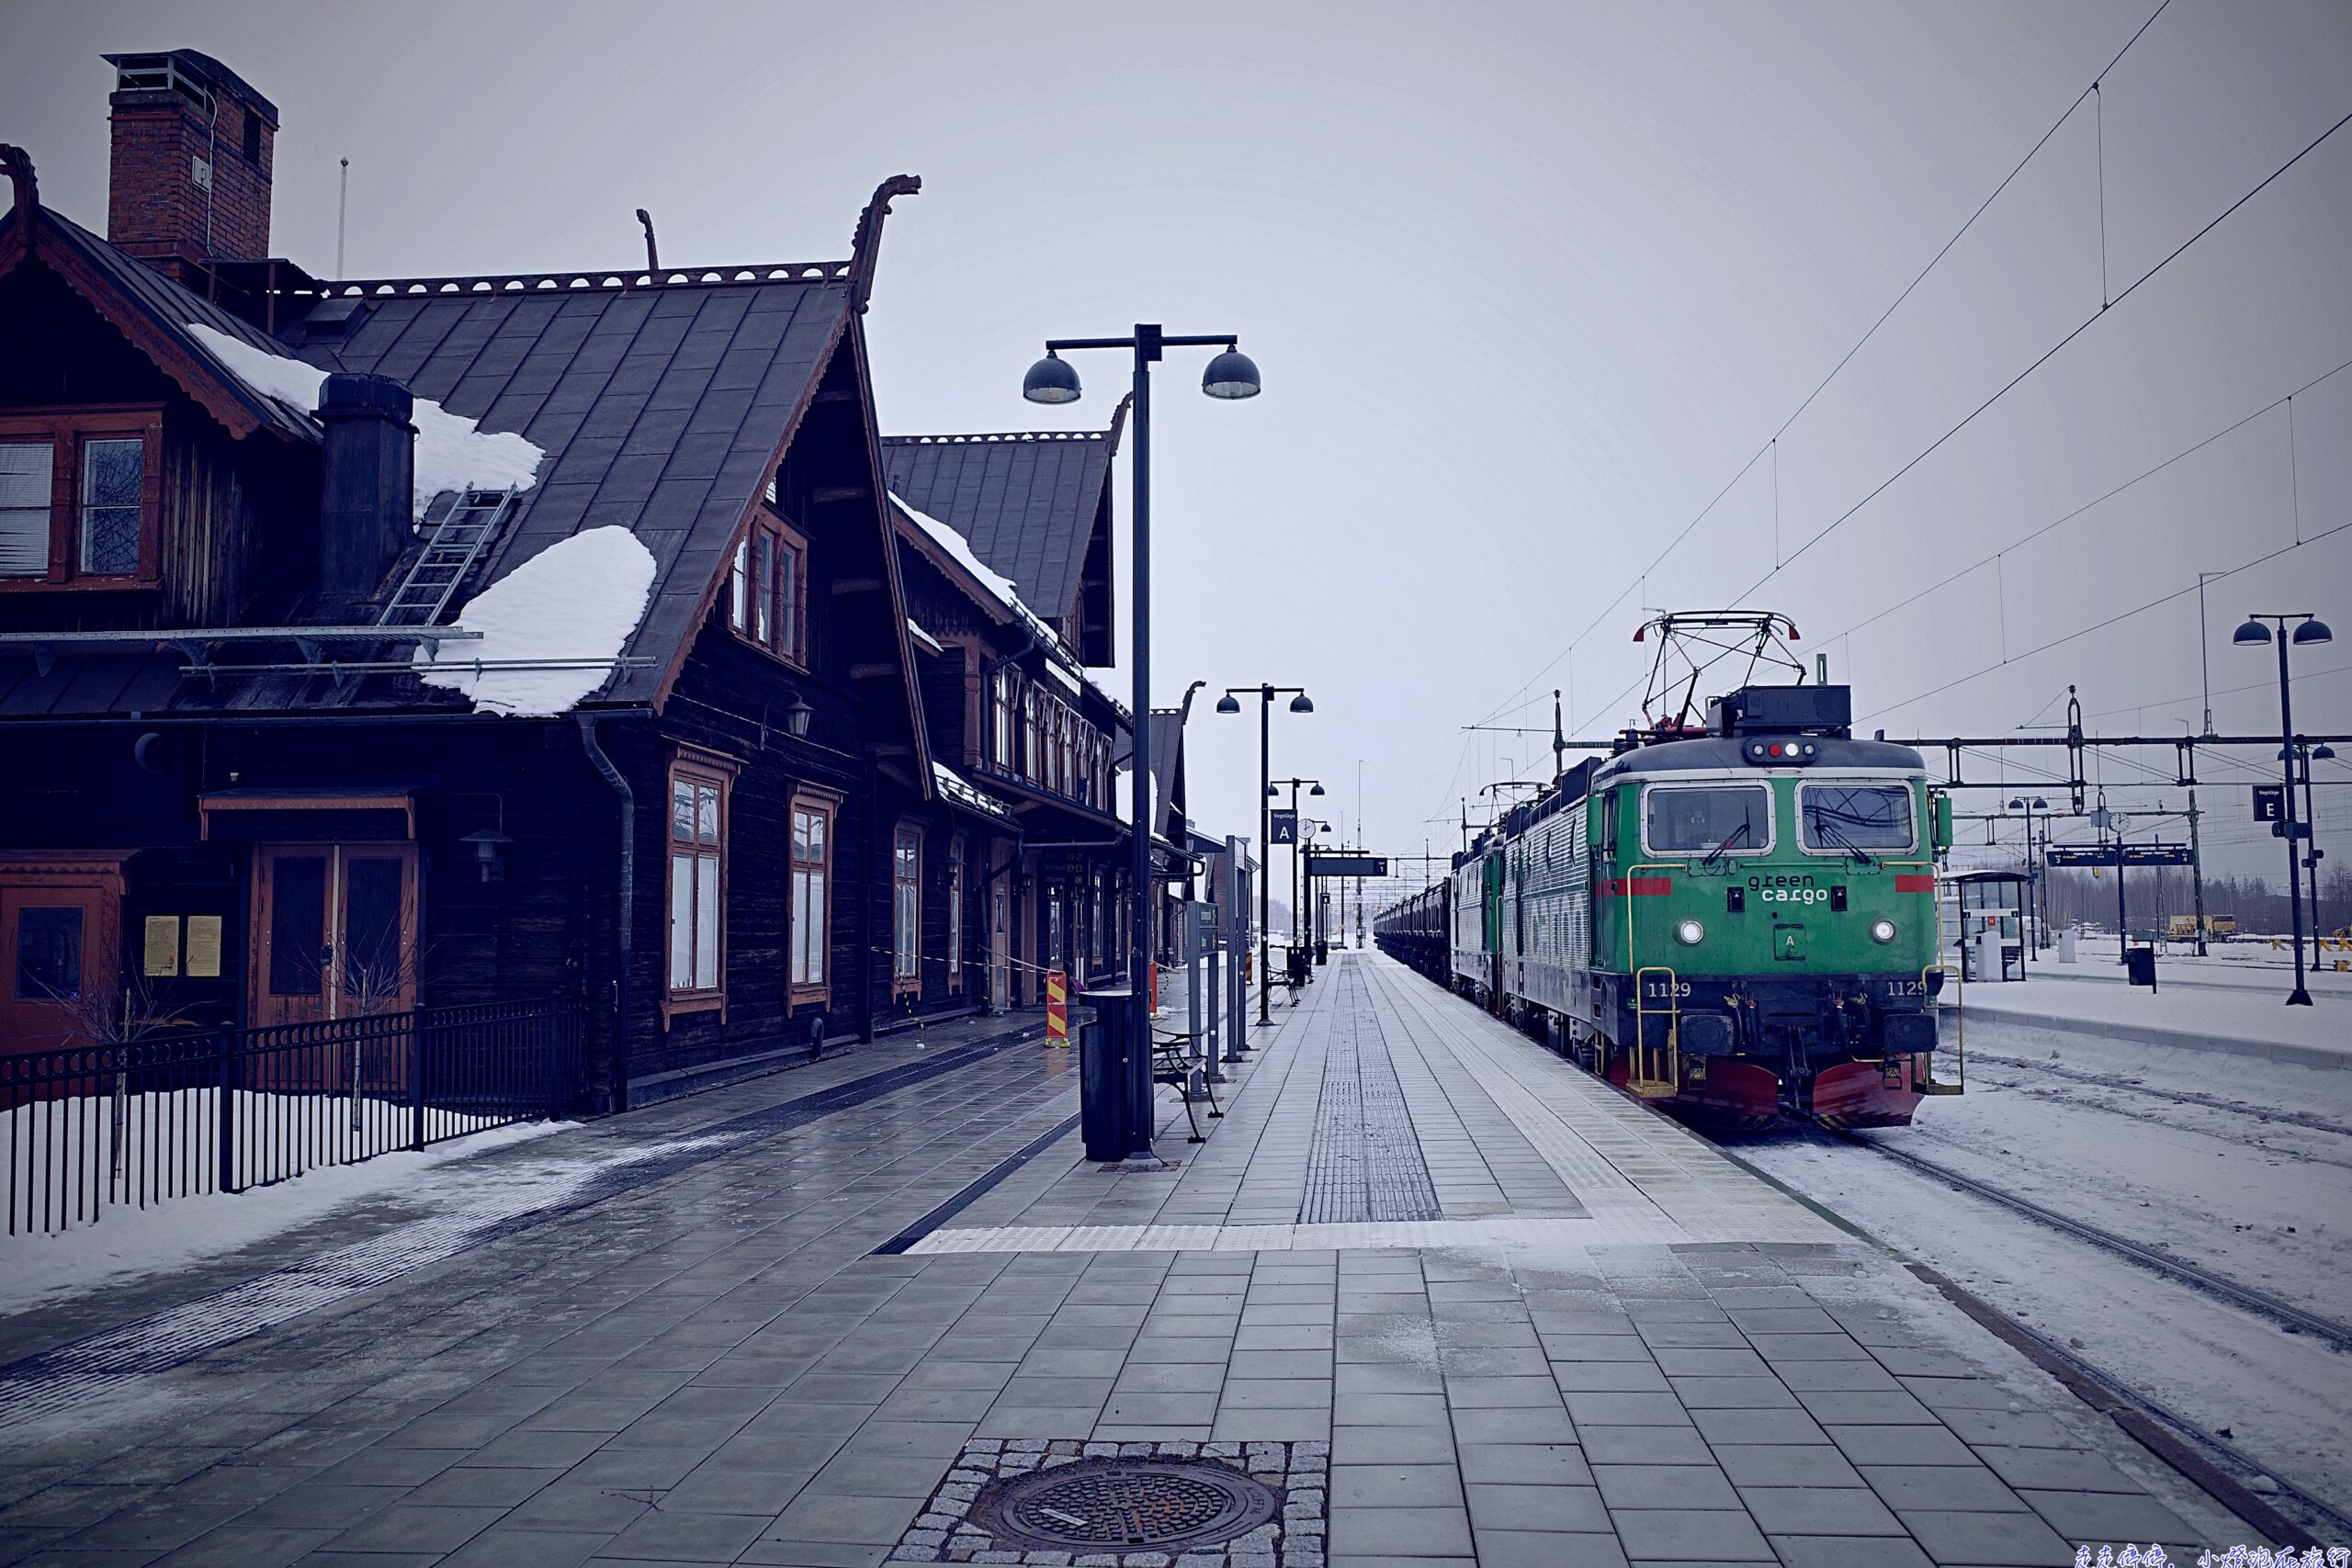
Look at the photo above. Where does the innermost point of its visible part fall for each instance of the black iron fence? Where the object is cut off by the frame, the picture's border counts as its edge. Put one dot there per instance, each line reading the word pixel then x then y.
pixel 221 1110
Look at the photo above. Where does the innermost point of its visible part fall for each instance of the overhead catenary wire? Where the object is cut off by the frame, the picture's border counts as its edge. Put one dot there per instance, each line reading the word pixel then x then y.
pixel 1844 359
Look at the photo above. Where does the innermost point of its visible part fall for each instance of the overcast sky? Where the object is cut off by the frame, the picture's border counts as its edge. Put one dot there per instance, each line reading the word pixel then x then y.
pixel 1529 284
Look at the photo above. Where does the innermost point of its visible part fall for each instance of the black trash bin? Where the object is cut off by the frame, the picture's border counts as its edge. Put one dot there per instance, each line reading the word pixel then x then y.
pixel 2140 966
pixel 1105 1099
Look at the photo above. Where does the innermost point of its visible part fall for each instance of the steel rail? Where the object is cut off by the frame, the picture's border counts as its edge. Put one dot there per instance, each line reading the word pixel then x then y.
pixel 2260 1303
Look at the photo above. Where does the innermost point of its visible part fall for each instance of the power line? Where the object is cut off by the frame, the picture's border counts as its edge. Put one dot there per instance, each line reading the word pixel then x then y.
pixel 1844 359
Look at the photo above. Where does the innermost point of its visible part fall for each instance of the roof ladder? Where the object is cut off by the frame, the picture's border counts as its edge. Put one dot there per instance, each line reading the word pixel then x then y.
pixel 465 532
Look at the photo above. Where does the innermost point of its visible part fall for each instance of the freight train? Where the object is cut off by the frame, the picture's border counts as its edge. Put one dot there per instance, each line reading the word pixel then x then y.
pixel 1736 921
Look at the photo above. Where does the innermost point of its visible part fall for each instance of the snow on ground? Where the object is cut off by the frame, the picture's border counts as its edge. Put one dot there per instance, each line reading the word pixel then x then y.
pixel 2099 995
pixel 2249 962
pixel 74 1140
pixel 452 451
pixel 576 602
pixel 2241 1166
pixel 131 1243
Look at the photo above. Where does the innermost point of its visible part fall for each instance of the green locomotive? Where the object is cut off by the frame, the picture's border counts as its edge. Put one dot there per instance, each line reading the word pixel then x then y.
pixel 1737 922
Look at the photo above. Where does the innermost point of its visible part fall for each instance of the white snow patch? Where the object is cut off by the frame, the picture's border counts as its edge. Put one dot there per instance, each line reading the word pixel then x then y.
pixel 574 603
pixel 129 1243
pixel 923 639
pixel 955 787
pixel 452 451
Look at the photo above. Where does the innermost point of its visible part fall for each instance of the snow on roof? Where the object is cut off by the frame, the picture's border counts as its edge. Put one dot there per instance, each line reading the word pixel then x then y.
pixel 923 639
pixel 566 613
pixel 954 787
pixel 452 451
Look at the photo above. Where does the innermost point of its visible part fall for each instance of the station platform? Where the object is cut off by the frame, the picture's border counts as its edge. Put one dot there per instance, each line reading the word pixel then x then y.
pixel 1429 1293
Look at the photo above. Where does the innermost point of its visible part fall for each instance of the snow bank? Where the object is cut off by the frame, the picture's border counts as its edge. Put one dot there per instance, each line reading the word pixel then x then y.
pixel 572 605
pixel 452 451
pixel 129 1243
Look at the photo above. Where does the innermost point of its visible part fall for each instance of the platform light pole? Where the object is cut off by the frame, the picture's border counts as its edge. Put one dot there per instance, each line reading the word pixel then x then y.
pixel 2030 805
pixel 1232 374
pixel 2310 631
pixel 2309 753
pixel 1231 703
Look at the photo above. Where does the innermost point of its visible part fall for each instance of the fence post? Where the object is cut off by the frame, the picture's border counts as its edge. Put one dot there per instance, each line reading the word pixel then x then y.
pixel 559 1024
pixel 416 1077
pixel 225 1115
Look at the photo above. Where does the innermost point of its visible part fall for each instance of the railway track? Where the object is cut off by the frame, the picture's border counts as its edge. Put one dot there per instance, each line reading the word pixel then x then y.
pixel 2262 1303
pixel 2185 1096
pixel 2131 1408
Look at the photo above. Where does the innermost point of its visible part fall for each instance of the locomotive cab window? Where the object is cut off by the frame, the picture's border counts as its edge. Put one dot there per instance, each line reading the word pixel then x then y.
pixel 1686 820
pixel 1842 818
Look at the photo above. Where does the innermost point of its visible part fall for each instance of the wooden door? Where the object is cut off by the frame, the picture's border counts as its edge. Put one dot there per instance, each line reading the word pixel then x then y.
pixel 57 962
pixel 1000 948
pixel 333 931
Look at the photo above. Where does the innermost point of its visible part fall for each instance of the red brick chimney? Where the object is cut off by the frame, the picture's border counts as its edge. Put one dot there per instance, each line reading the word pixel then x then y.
pixel 193 144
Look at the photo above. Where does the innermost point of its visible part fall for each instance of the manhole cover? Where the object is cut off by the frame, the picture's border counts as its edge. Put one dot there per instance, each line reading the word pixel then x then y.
pixel 1125 1502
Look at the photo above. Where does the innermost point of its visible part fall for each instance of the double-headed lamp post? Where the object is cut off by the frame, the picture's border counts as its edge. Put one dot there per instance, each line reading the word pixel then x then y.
pixel 2310 631
pixel 2030 805
pixel 1231 703
pixel 1231 375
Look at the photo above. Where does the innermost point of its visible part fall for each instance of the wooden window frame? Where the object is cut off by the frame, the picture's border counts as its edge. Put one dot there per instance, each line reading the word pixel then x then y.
pixel 785 635
pixel 958 854
pixel 67 430
pixel 699 770
pixel 1002 729
pixel 906 924
pixel 826 805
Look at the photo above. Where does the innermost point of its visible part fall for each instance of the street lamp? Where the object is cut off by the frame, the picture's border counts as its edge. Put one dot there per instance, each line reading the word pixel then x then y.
pixel 1231 703
pixel 1053 379
pixel 2033 876
pixel 2310 632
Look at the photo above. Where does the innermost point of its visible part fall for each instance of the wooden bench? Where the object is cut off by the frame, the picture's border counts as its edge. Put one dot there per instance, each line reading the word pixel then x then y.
pixel 1172 1066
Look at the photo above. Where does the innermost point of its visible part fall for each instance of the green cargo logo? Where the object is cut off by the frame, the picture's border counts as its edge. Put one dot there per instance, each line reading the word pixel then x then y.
pixel 1790 888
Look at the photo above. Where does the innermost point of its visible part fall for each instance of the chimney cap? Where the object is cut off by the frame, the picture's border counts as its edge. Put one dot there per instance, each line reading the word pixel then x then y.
pixel 349 392
pixel 175 70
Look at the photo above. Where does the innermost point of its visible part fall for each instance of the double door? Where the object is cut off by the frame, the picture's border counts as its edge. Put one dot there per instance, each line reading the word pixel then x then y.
pixel 334 931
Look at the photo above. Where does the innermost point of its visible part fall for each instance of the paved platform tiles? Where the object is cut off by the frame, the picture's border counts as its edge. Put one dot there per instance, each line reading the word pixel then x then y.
pixel 1613 1346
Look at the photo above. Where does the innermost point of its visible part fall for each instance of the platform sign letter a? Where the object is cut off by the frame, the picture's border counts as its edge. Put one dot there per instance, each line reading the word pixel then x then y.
pixel 1282 827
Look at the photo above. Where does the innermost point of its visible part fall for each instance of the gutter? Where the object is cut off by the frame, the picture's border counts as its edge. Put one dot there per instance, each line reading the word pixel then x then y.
pixel 626 906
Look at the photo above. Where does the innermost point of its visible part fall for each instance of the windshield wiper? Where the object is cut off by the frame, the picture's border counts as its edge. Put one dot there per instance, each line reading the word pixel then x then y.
pixel 1729 840
pixel 1831 831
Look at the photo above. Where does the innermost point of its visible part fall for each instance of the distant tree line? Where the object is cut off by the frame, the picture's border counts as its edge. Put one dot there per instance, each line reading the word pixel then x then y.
pixel 2074 897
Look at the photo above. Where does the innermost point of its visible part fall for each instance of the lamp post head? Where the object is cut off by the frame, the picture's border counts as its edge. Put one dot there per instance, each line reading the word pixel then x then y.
pixel 1051 380
pixel 2016 806
pixel 2253 634
pixel 797 714
pixel 1231 374
pixel 2312 631
pixel 2040 803
pixel 1300 703
pixel 1272 792
pixel 1316 790
pixel 1226 704
pixel 2323 752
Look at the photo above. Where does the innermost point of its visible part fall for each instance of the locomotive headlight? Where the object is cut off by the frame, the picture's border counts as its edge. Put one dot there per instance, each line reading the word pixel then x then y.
pixel 1881 931
pixel 1689 933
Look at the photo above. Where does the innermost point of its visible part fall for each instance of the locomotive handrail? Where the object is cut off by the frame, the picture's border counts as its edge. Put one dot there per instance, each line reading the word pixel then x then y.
pixel 1653 1088
pixel 1958 1032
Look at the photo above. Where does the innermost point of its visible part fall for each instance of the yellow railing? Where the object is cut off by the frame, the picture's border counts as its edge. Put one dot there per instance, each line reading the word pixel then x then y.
pixel 1655 1071
pixel 1959 1030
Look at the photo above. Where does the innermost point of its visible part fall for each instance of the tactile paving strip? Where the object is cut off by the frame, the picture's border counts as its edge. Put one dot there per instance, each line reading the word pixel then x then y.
pixel 1365 1164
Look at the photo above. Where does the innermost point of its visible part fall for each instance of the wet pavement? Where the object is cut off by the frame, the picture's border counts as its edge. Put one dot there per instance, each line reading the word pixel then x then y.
pixel 1430 1287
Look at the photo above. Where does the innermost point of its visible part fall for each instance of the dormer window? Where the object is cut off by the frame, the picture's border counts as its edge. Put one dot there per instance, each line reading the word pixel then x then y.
pixel 767 590
pixel 78 496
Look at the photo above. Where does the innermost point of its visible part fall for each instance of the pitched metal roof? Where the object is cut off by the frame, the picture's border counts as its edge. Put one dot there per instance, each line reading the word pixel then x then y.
pixel 1027 502
pixel 659 403
pixel 174 309
pixel 659 408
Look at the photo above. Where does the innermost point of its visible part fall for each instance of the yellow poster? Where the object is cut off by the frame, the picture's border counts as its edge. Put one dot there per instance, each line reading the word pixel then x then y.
pixel 204 947
pixel 162 945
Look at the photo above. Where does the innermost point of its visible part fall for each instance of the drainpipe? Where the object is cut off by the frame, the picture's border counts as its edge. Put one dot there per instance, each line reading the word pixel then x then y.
pixel 866 1005
pixel 624 903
